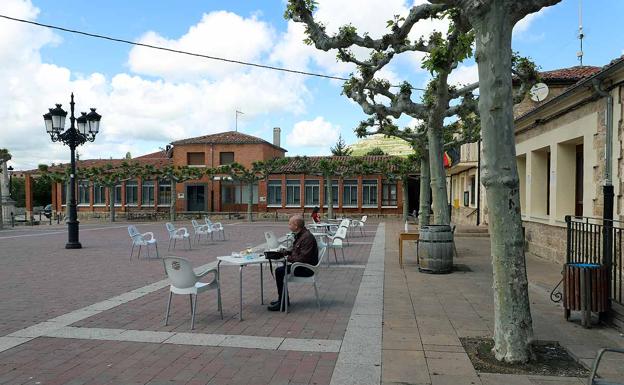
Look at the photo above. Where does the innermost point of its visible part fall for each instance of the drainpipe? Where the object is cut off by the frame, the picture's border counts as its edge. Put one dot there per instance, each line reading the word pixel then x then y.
pixel 607 188
pixel 478 182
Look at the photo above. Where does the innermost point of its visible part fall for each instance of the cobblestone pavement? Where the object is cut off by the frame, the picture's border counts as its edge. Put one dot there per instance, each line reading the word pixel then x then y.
pixel 425 315
pixel 87 298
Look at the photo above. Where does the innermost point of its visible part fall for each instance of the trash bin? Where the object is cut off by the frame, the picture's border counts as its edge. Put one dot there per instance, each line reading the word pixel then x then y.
pixel 585 289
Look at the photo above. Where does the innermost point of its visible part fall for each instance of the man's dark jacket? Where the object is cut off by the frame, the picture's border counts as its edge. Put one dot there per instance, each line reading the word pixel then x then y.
pixel 304 248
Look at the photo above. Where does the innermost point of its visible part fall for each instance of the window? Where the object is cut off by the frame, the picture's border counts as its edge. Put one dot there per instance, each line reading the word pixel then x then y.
pixel 132 192
pixel 334 190
pixel 226 158
pixel 540 189
pixel 147 193
pixel 83 192
pixel 274 193
pixel 164 192
pixel 238 193
pixel 195 158
pixel 99 195
pixel 389 194
pixel 473 197
pixel 349 193
pixel 118 194
pixel 369 193
pixel 312 192
pixel 293 193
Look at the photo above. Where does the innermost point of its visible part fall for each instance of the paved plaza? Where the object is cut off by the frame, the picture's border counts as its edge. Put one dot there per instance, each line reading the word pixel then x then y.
pixel 95 316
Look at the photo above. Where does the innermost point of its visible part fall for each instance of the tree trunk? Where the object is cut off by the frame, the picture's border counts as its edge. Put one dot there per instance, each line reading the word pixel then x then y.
pixel 330 197
pixel 250 202
pixel 513 329
pixel 405 199
pixel 112 196
pixel 424 203
pixel 172 207
pixel 438 176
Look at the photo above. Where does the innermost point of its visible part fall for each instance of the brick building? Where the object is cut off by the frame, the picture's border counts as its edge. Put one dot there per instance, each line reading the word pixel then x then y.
pixel 285 192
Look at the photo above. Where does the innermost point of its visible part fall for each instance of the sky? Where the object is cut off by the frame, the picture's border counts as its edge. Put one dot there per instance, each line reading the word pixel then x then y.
pixel 149 98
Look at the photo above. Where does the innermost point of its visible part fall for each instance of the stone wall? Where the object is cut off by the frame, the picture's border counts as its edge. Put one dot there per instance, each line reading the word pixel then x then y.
pixel 545 241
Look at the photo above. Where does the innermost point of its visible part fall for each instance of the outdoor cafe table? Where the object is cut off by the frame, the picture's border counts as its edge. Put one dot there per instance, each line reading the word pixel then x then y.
pixel 324 226
pixel 241 262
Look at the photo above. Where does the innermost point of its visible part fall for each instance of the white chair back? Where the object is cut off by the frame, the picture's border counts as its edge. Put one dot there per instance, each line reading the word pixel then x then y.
pixel 364 218
pixel 271 240
pixel 194 223
pixel 132 231
pixel 341 233
pixel 344 223
pixel 180 272
pixel 170 227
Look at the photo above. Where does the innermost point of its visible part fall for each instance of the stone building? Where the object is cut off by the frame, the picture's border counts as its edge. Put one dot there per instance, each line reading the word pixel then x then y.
pixel 560 148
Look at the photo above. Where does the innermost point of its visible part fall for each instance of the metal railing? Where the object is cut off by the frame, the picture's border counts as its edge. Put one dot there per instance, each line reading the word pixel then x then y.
pixel 595 240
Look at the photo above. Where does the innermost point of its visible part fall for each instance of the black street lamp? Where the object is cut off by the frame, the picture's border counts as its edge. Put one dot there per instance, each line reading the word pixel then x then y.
pixel 85 128
pixel 10 169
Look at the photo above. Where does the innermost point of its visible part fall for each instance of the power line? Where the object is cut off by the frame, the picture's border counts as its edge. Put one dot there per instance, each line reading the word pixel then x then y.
pixel 174 50
pixel 129 42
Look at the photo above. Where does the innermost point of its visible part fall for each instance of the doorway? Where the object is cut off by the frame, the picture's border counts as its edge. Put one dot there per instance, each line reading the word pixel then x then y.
pixel 196 198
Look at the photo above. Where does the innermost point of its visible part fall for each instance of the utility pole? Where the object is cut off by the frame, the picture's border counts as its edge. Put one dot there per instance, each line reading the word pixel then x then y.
pixel 236 124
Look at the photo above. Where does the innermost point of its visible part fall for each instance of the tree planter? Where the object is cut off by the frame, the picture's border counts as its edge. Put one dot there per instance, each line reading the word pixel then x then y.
pixel 435 249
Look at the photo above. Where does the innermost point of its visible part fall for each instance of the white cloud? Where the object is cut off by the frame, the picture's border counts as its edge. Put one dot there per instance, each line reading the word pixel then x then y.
pixel 313 133
pixel 139 114
pixel 221 34
pixel 464 75
pixel 523 26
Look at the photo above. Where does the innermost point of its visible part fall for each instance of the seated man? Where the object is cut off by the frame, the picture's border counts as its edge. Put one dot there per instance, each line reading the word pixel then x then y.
pixel 304 250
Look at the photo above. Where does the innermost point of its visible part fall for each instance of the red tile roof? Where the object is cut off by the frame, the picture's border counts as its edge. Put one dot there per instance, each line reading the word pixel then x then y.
pixel 572 74
pixel 88 163
pixel 228 137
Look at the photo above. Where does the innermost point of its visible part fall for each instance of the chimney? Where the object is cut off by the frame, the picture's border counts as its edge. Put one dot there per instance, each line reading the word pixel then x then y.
pixel 276 136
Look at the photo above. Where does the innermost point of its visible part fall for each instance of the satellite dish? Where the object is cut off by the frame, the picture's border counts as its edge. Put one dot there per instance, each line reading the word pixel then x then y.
pixel 539 92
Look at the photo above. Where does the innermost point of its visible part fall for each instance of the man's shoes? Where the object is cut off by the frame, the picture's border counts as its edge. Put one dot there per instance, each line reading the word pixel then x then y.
pixel 278 301
pixel 275 305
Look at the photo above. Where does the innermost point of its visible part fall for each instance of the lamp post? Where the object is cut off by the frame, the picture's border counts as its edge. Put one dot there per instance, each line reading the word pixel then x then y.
pixel 81 129
pixel 10 169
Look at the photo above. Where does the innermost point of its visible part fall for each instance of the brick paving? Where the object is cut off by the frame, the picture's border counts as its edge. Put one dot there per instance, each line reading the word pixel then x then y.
pixel 42 280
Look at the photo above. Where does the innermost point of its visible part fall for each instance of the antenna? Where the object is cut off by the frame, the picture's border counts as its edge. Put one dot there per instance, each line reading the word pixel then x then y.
pixel 238 112
pixel 581 35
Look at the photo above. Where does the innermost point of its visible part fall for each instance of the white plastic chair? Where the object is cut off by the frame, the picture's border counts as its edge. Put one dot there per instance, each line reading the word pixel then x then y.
pixel 200 230
pixel 216 227
pixel 272 242
pixel 290 278
pixel 139 239
pixel 175 234
pixel 346 223
pixel 185 281
pixel 359 224
pixel 336 241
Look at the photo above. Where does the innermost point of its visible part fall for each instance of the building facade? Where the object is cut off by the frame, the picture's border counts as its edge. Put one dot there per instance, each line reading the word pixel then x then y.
pixel 286 192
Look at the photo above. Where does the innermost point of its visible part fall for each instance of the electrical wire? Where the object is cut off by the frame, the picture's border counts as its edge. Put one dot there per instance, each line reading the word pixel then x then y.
pixel 129 42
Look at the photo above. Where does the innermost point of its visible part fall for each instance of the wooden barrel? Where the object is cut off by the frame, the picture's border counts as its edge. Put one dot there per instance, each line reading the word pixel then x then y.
pixel 435 249
pixel 589 282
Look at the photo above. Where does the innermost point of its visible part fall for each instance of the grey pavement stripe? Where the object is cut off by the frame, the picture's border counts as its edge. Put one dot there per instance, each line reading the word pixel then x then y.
pixel 60 232
pixel 198 339
pixel 359 359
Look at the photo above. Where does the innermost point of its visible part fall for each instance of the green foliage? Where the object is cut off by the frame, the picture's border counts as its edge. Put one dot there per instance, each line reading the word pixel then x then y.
pixel 394 23
pixel 18 191
pixel 340 148
pixel 293 8
pixel 376 151
pixel 42 191
pixel 5 155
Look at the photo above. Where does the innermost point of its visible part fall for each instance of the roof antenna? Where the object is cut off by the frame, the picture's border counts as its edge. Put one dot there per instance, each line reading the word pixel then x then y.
pixel 581 35
pixel 236 124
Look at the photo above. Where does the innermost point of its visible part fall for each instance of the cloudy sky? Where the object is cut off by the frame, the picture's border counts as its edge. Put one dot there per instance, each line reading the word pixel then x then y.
pixel 149 98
